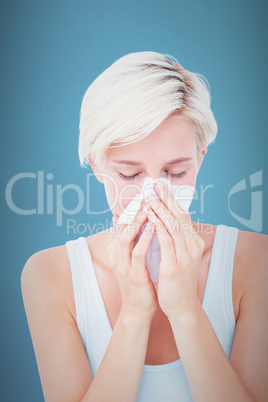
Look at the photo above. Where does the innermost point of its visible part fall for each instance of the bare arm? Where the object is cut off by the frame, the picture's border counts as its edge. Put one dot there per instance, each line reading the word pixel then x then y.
pixel 211 376
pixel 62 361
pixel 119 375
pixel 61 358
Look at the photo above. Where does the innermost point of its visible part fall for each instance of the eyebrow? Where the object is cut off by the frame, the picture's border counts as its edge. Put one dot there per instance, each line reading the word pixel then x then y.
pixel 136 163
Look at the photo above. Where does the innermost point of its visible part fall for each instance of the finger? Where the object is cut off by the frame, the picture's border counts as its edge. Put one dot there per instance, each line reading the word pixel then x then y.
pixel 119 228
pixel 194 243
pixel 161 211
pixel 115 219
pixel 167 198
pixel 132 229
pixel 173 225
pixel 139 252
pixel 126 239
pixel 176 234
pixel 175 222
pixel 167 246
pixel 142 204
pixel 194 247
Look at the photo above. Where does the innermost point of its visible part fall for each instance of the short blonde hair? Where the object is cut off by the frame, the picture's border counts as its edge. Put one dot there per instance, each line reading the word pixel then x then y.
pixel 134 96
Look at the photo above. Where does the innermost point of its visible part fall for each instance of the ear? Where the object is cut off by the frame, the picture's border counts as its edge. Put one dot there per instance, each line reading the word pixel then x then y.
pixel 201 155
pixel 92 163
pixel 95 169
pixel 203 150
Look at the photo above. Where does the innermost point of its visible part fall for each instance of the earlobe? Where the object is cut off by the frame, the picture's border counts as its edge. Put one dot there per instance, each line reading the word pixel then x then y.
pixel 92 164
pixel 204 150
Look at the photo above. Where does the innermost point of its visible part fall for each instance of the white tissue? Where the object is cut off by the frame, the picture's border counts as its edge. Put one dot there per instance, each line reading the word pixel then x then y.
pixel 183 194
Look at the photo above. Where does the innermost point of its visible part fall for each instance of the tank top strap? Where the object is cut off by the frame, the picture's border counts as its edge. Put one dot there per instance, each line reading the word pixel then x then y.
pixel 88 300
pixel 219 291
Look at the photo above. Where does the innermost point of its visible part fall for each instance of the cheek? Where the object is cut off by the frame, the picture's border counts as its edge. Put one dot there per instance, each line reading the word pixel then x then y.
pixel 192 175
pixel 191 178
pixel 111 190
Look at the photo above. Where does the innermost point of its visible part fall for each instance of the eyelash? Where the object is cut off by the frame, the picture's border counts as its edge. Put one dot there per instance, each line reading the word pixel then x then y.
pixel 178 175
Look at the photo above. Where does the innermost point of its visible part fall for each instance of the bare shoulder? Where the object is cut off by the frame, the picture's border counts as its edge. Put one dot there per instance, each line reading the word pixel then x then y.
pixel 48 272
pixel 252 246
pixel 250 280
pixel 252 258
pixel 252 263
pixel 251 255
pixel 51 262
pixel 250 271
pixel 249 355
pixel 47 292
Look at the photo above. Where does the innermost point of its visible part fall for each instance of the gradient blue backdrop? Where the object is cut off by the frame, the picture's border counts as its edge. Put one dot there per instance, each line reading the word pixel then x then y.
pixel 50 53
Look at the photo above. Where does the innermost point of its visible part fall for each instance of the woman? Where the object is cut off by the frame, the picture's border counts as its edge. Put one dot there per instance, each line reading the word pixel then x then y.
pixel 101 330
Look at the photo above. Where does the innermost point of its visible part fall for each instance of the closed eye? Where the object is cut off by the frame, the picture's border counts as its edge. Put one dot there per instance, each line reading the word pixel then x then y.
pixel 172 175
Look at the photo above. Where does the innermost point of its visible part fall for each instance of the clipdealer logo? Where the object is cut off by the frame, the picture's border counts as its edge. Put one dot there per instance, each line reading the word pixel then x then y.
pixel 255 220
pixel 47 191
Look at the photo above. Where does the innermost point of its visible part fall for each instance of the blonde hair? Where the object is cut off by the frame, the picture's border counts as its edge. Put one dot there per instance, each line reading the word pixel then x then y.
pixel 134 96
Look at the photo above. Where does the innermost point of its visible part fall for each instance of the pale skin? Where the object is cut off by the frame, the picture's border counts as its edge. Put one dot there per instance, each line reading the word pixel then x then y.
pixel 151 324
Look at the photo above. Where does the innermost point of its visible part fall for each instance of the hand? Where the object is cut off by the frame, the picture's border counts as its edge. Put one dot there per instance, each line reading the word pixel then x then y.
pixel 128 261
pixel 181 252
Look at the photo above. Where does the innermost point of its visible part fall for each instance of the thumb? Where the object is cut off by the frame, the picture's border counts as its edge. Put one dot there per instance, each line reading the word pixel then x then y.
pixel 117 229
pixel 148 228
pixel 141 248
pixel 144 239
pixel 115 219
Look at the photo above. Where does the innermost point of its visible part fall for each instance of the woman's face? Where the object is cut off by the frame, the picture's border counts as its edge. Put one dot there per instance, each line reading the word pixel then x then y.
pixel 170 152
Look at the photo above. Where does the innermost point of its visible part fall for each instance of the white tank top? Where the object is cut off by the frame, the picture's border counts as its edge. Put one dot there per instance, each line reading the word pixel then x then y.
pixel 165 382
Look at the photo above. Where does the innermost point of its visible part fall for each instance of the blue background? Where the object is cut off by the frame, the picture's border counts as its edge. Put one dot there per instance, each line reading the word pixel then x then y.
pixel 50 53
